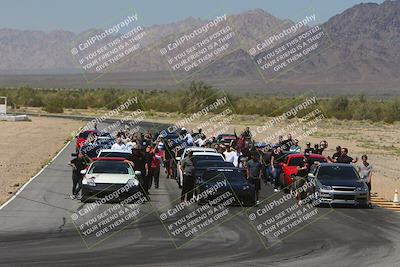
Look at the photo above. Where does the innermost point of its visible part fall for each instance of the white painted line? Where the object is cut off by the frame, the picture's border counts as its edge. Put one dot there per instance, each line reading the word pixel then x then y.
pixel 32 178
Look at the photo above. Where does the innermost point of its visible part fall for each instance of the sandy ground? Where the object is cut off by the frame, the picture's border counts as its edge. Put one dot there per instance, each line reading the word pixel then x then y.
pixel 25 147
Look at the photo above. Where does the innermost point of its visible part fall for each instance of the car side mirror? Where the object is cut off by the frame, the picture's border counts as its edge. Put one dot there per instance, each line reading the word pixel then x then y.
pixel 83 171
pixel 138 173
pixel 74 154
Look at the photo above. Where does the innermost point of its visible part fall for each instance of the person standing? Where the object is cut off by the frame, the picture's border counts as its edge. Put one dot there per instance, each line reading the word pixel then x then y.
pixel 139 164
pixel 229 155
pixel 266 159
pixel 301 177
pixel 119 145
pixel 78 164
pixel 241 143
pixel 365 171
pixel 344 158
pixel 248 136
pixel 276 158
pixel 295 147
pixel 155 167
pixel 309 149
pixel 148 158
pixel 337 153
pixel 187 168
pixel 254 173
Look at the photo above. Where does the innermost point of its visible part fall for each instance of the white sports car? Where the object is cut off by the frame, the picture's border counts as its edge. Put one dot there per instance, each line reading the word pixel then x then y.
pixel 110 179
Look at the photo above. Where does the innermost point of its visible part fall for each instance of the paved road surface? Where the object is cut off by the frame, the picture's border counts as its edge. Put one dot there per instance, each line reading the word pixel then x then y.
pixel 36 229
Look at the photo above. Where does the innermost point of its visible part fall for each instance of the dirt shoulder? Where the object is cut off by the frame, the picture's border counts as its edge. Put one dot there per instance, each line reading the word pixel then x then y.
pixel 27 146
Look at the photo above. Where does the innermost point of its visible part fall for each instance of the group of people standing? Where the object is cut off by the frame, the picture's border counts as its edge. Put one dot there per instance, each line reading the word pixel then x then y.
pixel 149 154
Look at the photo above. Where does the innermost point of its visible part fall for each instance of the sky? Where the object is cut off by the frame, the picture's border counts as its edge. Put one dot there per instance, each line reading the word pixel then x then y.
pixel 80 15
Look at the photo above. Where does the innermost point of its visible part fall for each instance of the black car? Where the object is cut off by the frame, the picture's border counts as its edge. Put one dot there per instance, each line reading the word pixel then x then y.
pixel 339 184
pixel 225 180
pixel 201 165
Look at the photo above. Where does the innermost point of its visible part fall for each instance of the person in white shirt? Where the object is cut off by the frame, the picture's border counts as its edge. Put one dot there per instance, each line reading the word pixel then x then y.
pixel 129 144
pixel 119 145
pixel 201 141
pixel 230 155
pixel 189 139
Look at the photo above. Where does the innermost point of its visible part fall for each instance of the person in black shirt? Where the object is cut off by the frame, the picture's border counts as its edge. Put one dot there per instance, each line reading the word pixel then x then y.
pixel 319 149
pixel 148 157
pixel 169 158
pixel 247 134
pixel 309 149
pixel 337 153
pixel 276 158
pixel 78 164
pixel 344 158
pixel 137 158
pixel 301 177
pixel 286 144
pixel 266 158
pixel 189 180
pixel 254 173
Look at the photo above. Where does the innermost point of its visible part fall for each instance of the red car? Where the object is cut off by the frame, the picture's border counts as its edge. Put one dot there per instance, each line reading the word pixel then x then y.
pixel 82 137
pixel 289 167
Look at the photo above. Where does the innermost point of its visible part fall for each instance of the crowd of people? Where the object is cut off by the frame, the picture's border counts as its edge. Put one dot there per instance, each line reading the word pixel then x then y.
pixel 149 153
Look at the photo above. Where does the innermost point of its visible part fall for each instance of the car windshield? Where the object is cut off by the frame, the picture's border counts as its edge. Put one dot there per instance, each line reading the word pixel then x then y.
pixel 197 158
pixel 84 135
pixel 232 175
pixel 298 161
pixel 116 167
pixel 337 172
pixel 114 155
pixel 212 163
pixel 91 150
pixel 295 161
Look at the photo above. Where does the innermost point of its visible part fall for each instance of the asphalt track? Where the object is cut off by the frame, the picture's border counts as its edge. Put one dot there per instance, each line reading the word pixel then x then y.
pixel 36 229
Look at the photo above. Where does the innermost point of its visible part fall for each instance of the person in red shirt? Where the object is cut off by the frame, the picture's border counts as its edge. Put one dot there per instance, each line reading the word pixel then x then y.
pixel 157 158
pixel 241 143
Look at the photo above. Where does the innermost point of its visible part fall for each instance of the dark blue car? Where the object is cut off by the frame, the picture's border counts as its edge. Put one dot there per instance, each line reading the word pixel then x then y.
pixel 225 180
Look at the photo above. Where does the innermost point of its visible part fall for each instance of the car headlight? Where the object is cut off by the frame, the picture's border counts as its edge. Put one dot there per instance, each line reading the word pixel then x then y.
pixel 133 182
pixel 362 189
pixel 91 182
pixel 245 187
pixel 326 187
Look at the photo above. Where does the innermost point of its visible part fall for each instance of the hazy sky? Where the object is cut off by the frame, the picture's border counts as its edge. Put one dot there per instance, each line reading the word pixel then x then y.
pixel 80 15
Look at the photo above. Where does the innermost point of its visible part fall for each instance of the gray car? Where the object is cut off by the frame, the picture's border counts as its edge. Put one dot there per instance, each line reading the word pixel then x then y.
pixel 339 184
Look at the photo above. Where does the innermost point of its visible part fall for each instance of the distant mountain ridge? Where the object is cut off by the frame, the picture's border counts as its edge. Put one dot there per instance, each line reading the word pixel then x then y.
pixel 365 51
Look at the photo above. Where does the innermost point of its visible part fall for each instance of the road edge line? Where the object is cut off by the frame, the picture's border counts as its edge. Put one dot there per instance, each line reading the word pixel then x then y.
pixel 33 177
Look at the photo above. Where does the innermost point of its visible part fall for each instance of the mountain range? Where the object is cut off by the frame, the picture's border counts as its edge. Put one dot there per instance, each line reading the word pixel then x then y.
pixel 362 54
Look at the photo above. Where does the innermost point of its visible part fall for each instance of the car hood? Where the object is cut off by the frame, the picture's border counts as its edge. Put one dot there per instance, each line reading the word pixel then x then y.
pixel 229 184
pixel 342 182
pixel 109 178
